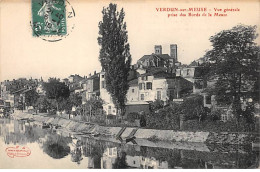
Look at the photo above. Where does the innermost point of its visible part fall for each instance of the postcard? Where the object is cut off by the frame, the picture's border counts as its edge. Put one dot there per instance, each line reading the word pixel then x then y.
pixel 147 84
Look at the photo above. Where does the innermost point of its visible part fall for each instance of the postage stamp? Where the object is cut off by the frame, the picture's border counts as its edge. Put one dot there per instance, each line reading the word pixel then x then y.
pixel 51 19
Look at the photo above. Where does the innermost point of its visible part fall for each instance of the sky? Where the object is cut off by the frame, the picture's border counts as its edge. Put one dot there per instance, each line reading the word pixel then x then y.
pixel 23 55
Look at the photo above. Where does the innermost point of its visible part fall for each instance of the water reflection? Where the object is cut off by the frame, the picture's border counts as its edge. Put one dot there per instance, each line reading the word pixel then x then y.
pixel 56 146
pixel 84 152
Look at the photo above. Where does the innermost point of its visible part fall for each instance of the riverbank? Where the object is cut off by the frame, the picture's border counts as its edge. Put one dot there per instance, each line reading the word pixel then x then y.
pixel 139 133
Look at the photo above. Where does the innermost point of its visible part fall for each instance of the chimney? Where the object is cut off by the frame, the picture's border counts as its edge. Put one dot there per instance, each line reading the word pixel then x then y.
pixel 89 75
pixel 158 49
pixel 173 52
pixel 95 72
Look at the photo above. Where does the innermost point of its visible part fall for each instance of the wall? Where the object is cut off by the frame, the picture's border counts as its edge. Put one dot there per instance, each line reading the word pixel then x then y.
pixel 106 97
pixel 168 135
pixel 133 96
pixel 137 108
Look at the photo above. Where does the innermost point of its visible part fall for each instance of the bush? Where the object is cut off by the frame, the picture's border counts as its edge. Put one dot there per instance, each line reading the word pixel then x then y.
pixel 217 126
pixel 165 119
pixel 143 120
pixel 193 108
pixel 156 105
pixel 215 115
pixel 131 117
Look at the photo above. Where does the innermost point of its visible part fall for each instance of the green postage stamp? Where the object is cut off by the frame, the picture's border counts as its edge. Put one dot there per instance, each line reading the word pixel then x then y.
pixel 50 19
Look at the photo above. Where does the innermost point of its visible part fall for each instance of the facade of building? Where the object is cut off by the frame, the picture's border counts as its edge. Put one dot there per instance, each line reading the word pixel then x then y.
pixel 9 88
pixel 108 105
pixel 159 86
pixel 91 87
pixel 158 59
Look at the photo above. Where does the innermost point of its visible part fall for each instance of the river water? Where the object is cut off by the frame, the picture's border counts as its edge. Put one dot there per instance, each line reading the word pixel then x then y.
pixel 62 149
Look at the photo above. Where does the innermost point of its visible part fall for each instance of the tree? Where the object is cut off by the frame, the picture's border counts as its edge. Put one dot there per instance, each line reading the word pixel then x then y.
pixel 43 104
pixel 31 97
pixel 193 108
pixel 114 54
pixel 75 99
pixel 68 102
pixel 234 62
pixel 56 90
pixel 92 107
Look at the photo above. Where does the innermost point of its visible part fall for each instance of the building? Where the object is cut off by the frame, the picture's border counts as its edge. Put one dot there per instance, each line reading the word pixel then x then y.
pixel 74 78
pixel 161 86
pixel 108 105
pixel 8 88
pixel 158 59
pixel 91 87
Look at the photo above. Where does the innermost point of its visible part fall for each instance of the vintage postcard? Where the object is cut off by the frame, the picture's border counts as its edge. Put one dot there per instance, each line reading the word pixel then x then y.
pixel 129 84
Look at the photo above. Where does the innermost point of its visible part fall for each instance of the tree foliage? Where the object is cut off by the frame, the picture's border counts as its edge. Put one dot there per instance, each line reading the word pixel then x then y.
pixel 114 54
pixel 193 108
pixel 43 104
pixel 234 63
pixel 92 107
pixel 56 90
pixel 31 97
pixel 156 105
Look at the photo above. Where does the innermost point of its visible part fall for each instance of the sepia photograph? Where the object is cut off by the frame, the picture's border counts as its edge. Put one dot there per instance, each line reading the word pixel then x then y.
pixel 129 84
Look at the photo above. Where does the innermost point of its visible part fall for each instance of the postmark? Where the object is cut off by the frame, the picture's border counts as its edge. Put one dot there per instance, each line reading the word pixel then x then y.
pixel 18 151
pixel 52 20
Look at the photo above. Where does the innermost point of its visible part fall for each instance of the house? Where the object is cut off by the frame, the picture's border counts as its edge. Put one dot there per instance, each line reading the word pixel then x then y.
pixel 91 87
pixel 74 78
pixel 133 91
pixel 197 76
pixel 19 97
pixel 108 105
pixel 73 81
pixel 162 86
pixel 157 59
pixel 9 87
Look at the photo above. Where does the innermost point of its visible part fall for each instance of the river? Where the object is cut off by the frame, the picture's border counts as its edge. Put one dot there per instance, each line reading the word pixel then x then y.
pixel 62 149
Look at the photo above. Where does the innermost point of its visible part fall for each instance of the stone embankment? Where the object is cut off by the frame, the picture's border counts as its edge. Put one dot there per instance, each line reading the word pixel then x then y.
pixel 145 134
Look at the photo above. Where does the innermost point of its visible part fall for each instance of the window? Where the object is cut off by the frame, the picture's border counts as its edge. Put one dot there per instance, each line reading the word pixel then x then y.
pixel 133 90
pixel 144 85
pixel 103 84
pixel 159 95
pixel 142 77
pixel 142 96
pixel 103 76
pixel 208 99
pixel 133 162
pixel 140 86
pixel 224 117
pixel 149 86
